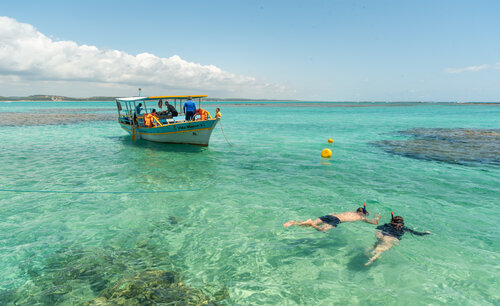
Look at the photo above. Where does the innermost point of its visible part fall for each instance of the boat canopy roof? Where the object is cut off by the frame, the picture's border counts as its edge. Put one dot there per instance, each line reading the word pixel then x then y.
pixel 131 99
pixel 177 97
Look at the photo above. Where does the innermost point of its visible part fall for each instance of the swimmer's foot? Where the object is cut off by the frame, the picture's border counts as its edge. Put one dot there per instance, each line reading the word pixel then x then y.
pixel 371 260
pixel 289 223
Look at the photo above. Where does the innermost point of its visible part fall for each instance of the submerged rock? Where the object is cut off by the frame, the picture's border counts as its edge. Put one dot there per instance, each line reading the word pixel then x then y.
pixel 32 119
pixel 151 288
pixel 456 146
pixel 115 276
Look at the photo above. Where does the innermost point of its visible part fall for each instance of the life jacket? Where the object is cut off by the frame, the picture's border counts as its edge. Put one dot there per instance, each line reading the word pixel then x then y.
pixel 203 113
pixel 148 120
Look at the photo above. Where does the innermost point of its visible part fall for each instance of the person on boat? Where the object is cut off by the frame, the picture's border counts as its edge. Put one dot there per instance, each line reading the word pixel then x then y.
pixel 217 113
pixel 171 109
pixel 390 234
pixel 149 119
pixel 330 221
pixel 138 109
pixel 202 113
pixel 189 109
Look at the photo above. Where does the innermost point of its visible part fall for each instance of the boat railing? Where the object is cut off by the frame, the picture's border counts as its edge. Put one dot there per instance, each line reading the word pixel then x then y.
pixel 158 121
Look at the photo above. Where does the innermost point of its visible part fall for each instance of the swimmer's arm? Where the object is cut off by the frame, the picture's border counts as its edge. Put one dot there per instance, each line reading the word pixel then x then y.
pixel 417 232
pixel 372 221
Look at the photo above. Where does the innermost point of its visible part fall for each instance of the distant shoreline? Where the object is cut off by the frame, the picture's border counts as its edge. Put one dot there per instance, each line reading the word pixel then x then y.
pixel 54 98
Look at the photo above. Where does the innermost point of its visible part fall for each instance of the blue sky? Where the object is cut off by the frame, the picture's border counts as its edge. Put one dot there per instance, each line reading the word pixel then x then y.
pixel 308 50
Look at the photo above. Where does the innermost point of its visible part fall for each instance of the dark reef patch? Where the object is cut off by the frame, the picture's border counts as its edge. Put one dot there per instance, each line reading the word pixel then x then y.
pixel 152 288
pixel 143 275
pixel 51 118
pixel 454 146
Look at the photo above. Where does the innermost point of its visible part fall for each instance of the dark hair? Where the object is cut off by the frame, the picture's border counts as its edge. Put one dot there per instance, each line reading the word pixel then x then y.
pixel 140 104
pixel 360 210
pixel 398 220
pixel 154 110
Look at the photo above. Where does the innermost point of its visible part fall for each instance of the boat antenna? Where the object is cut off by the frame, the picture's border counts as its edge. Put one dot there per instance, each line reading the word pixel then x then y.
pixel 139 92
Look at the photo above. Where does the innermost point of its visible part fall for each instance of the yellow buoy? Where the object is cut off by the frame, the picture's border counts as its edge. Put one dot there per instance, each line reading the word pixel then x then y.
pixel 326 153
pixel 330 140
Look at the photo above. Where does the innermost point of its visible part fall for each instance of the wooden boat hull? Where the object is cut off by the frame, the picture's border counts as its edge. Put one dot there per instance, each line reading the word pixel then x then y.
pixel 193 132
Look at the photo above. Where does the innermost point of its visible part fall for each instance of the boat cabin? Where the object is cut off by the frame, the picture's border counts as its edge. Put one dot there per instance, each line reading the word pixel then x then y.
pixel 163 115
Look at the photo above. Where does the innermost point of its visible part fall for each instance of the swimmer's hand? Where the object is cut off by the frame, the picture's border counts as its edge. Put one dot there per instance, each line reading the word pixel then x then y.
pixel 427 232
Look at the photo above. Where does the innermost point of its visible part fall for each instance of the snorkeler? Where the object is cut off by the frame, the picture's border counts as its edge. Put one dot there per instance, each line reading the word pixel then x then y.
pixel 389 235
pixel 330 221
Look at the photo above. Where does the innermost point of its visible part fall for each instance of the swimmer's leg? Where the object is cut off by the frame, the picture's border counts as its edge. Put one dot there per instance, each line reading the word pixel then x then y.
pixel 309 222
pixel 312 223
pixel 290 223
pixel 324 227
pixel 383 244
pixel 370 250
pixel 317 224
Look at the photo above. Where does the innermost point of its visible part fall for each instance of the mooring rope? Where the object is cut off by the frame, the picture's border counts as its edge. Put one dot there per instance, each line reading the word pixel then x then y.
pixel 100 192
pixel 225 135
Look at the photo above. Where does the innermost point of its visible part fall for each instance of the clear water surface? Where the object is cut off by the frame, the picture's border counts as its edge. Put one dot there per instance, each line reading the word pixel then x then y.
pixel 221 228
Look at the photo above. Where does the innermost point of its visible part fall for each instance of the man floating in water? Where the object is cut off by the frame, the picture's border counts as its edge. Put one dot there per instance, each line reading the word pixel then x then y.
pixel 330 221
pixel 389 235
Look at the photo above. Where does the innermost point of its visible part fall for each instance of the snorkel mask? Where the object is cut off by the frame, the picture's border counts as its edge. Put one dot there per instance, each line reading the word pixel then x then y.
pixel 365 211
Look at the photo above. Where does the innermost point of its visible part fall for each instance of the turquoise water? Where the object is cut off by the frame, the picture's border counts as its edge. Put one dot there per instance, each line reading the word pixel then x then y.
pixel 227 235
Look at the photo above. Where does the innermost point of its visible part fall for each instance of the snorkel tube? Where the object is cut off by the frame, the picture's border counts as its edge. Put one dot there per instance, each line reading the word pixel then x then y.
pixel 364 210
pixel 392 216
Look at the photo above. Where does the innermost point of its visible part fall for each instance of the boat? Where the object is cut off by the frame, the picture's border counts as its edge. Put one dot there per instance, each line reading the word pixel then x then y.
pixel 164 127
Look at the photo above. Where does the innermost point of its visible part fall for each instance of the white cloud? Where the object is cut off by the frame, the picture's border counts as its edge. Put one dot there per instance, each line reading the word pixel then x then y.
pixel 28 55
pixel 471 68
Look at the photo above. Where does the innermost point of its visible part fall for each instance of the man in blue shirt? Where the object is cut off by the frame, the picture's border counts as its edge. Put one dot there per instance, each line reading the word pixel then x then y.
pixel 138 109
pixel 189 109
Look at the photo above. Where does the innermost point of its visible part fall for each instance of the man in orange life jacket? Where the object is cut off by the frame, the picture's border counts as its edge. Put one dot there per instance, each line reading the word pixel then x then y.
pixel 203 113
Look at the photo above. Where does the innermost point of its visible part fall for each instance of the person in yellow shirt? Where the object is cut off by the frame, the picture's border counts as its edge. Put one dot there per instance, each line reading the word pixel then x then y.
pixel 217 113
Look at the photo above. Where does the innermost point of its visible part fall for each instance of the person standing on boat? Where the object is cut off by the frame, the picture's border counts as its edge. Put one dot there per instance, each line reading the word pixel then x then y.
pixel 138 109
pixel 189 109
pixel 217 113
pixel 171 109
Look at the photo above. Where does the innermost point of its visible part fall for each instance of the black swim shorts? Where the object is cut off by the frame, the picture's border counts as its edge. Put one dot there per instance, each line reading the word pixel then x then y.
pixel 329 219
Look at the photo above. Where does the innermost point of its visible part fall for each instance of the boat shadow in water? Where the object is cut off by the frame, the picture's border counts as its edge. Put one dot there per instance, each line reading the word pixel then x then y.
pixel 159 146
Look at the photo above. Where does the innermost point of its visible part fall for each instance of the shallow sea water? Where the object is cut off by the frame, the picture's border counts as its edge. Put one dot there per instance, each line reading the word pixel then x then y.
pixel 220 226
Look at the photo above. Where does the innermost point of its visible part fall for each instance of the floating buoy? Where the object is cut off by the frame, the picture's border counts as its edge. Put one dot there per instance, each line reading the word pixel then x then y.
pixel 326 153
pixel 330 140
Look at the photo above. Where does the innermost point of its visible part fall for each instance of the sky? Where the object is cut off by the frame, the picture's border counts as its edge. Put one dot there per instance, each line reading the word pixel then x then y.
pixel 371 50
